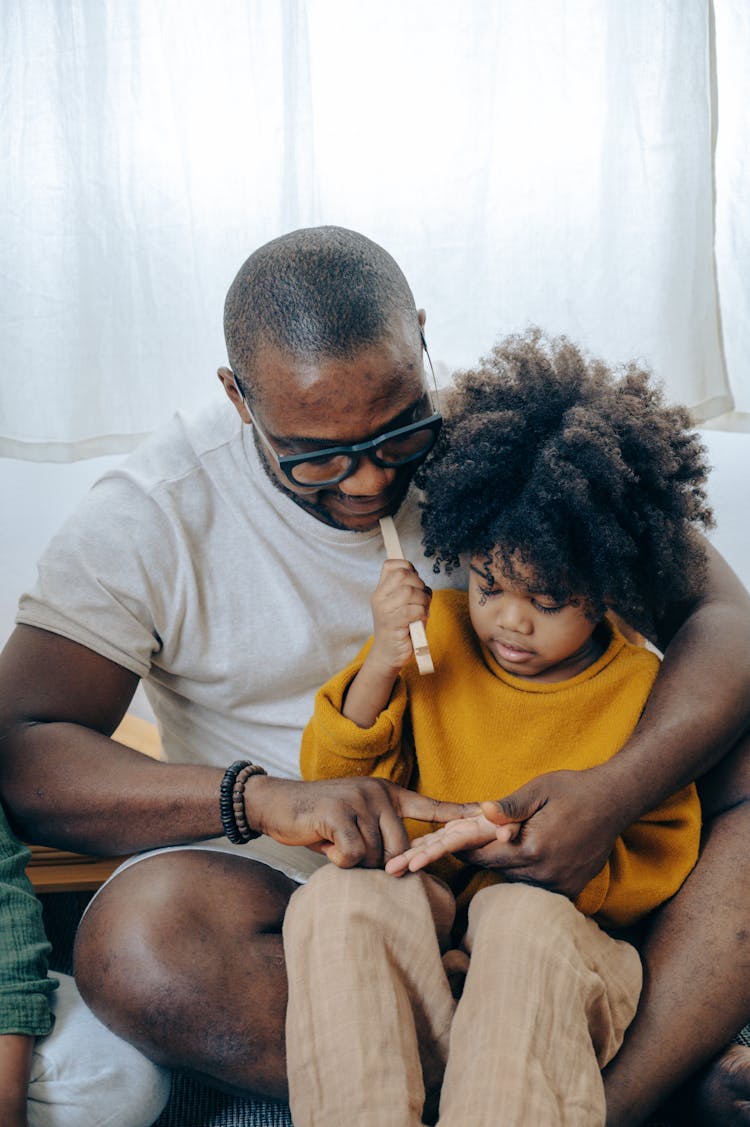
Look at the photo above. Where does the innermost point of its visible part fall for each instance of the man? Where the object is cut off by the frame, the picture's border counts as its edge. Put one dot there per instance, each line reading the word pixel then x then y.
pixel 229 563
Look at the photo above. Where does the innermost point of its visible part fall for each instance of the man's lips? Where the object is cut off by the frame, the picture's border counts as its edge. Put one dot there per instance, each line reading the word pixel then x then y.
pixel 364 506
pixel 361 504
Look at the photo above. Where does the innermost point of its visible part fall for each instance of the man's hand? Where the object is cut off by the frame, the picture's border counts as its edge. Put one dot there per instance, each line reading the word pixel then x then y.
pixel 569 824
pixel 352 821
pixel 555 832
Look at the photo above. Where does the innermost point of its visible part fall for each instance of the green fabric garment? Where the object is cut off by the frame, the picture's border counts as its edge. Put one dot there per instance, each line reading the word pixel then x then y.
pixel 24 984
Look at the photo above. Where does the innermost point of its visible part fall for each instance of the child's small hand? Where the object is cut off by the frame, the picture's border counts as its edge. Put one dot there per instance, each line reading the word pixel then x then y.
pixel 399 599
pixel 453 837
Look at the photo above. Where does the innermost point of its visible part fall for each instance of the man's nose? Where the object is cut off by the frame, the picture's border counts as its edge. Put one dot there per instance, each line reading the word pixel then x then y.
pixel 368 480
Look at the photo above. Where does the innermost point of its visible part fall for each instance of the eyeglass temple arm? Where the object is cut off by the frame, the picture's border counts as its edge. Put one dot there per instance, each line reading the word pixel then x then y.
pixel 416 629
pixel 432 370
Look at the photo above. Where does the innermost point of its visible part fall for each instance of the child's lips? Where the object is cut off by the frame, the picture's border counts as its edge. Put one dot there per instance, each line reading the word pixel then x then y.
pixel 510 652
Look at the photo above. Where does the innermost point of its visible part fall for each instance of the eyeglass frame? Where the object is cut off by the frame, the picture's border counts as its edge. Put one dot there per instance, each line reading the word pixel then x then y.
pixel 287 462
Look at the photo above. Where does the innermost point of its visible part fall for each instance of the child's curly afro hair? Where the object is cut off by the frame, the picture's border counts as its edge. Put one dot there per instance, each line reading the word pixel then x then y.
pixel 579 472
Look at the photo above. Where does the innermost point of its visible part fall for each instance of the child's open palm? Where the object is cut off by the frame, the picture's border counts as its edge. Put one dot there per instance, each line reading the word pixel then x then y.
pixel 453 837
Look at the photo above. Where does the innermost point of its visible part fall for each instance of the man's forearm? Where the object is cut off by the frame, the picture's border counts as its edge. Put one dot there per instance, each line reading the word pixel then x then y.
pixel 69 786
pixel 700 704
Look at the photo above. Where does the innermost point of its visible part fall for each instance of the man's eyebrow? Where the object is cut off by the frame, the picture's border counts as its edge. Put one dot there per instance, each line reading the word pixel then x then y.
pixel 402 419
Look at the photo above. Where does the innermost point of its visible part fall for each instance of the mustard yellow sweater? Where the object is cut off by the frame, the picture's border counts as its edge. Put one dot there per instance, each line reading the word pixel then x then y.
pixel 470 731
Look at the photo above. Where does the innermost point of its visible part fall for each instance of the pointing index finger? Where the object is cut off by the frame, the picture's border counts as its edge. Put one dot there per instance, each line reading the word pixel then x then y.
pixel 425 809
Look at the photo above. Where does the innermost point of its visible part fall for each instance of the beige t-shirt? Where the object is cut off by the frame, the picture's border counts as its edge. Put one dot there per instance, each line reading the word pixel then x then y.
pixel 188 566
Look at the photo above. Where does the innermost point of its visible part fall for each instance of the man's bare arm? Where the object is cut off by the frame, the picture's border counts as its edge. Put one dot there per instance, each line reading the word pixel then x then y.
pixel 699 708
pixel 66 783
pixel 700 704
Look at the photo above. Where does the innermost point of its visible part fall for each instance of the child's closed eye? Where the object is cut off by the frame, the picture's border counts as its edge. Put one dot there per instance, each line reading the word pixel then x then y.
pixel 549 608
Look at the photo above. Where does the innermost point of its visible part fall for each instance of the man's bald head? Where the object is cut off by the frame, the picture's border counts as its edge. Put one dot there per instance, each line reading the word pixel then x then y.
pixel 317 292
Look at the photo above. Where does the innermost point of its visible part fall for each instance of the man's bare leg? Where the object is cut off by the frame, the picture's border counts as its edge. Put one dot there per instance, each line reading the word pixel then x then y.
pixel 182 955
pixel 696 958
pixel 722 1092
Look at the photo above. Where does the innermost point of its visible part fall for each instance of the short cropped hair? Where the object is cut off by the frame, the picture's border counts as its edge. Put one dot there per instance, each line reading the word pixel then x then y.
pixel 583 474
pixel 319 291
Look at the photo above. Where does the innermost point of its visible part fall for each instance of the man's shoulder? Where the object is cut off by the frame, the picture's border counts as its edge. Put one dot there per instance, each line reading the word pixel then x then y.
pixel 165 492
pixel 183 446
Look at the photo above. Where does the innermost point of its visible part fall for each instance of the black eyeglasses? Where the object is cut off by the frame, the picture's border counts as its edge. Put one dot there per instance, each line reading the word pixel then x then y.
pixel 392 449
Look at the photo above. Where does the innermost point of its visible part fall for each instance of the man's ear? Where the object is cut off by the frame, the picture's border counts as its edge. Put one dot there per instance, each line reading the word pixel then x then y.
pixel 422 318
pixel 230 387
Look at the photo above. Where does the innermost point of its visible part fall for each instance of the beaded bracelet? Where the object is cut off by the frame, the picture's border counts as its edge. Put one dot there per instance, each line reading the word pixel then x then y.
pixel 232 801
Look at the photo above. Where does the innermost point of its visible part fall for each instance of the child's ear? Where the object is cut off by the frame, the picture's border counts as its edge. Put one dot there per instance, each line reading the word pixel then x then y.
pixel 627 631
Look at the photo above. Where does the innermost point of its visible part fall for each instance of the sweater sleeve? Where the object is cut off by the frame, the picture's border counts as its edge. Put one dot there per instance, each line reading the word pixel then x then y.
pixel 648 863
pixel 24 984
pixel 334 746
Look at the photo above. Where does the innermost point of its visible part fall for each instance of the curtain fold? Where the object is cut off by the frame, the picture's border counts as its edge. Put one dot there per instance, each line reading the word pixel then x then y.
pixel 526 161
pixel 732 48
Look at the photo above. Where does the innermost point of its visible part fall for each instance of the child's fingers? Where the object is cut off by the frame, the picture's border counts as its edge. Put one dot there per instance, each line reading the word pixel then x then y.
pixel 397 574
pixel 453 837
pixel 397 866
pixel 494 814
pixel 432 846
pixel 401 598
pixel 397 569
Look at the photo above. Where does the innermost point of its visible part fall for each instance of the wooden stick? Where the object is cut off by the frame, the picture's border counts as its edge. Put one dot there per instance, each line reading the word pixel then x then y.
pixel 416 629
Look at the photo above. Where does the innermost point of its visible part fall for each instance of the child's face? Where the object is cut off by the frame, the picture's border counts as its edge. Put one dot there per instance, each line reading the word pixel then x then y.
pixel 526 631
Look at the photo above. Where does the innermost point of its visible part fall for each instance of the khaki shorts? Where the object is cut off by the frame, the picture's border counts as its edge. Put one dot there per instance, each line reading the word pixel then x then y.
pixel 294 861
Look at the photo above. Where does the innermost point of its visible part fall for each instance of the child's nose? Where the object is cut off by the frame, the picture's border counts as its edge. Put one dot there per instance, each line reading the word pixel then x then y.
pixel 514 614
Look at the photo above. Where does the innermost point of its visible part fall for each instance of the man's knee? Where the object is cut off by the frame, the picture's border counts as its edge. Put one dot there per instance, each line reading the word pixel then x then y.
pixel 117 948
pixel 145 938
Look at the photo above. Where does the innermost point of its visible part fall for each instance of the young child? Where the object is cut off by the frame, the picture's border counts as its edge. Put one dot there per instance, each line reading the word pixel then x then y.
pixel 77 1072
pixel 574 493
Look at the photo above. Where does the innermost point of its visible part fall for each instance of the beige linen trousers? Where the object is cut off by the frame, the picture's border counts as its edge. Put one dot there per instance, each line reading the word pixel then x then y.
pixel 375 1036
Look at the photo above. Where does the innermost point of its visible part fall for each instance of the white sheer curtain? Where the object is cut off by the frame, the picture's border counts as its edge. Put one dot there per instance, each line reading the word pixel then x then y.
pixel 546 161
pixel 733 195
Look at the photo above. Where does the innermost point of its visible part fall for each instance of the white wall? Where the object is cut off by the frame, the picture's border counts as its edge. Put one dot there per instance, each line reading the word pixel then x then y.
pixel 35 497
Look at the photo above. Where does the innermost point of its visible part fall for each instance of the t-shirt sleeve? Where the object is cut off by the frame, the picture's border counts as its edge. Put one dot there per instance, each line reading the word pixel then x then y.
pixel 334 746
pixel 107 577
pixel 24 984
